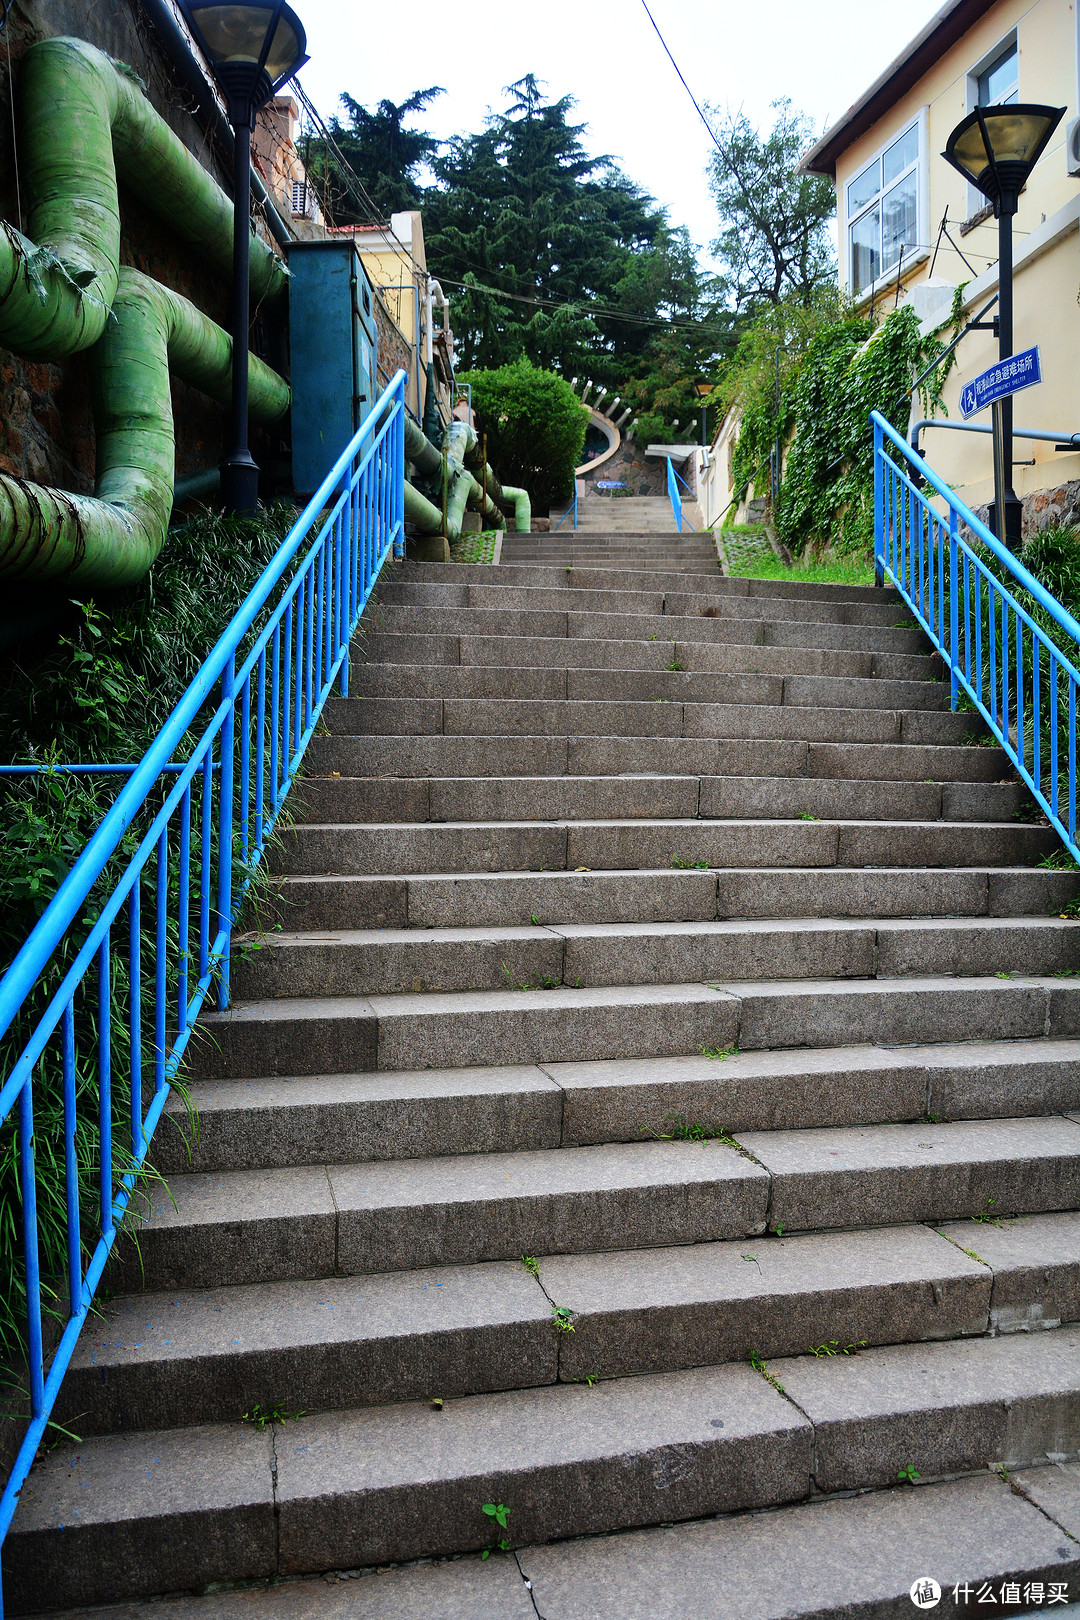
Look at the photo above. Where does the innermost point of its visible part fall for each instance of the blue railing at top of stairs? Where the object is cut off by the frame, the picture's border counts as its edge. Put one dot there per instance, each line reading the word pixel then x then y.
pixel 1020 678
pixel 112 1035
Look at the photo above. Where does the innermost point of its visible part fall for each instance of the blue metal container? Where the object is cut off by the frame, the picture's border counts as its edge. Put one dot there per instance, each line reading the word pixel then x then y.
pixel 333 349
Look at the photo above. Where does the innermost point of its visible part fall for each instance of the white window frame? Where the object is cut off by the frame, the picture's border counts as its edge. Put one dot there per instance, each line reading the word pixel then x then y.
pixel 920 169
pixel 975 198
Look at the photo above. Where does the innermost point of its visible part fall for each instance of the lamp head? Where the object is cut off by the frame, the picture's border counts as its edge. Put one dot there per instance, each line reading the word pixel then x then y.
pixel 996 148
pixel 253 46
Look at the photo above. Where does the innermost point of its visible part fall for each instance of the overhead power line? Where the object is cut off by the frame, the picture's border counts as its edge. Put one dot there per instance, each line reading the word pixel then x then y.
pixel 712 133
pixel 581 305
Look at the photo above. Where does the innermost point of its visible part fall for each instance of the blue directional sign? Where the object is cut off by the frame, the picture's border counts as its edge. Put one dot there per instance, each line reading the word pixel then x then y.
pixel 1004 377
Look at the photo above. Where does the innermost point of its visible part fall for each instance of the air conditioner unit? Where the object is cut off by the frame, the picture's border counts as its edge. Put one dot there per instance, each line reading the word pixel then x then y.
pixel 1072 146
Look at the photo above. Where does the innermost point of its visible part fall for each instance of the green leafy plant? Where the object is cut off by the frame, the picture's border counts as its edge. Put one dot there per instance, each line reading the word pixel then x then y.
pixel 500 1514
pixel 689 866
pixel 719 1053
pixel 532 1265
pixel 804 815
pixel 535 427
pixel 909 1473
pixel 987 1217
pixel 262 1416
pixel 834 1347
pixel 759 1365
pixel 563 1319
pixel 675 666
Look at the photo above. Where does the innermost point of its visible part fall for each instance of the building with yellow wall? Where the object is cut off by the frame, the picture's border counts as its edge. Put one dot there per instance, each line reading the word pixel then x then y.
pixel 910 227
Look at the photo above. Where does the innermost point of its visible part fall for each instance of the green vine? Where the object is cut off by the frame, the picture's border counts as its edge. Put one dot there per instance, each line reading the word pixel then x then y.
pixel 835 369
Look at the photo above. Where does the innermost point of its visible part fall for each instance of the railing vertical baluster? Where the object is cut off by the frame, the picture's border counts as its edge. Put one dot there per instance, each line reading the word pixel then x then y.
pixel 182 917
pixel 1072 760
pixel 978 632
pixel 954 613
pixel 71 1165
pixel 311 643
pixel 245 768
pixel 104 1046
pixel 225 833
pixel 1021 729
pixel 31 1250
pixel 1036 740
pixel 991 603
pixel 206 810
pixel 299 626
pixel 1006 643
pixel 344 592
pixel 135 1019
pixel 1055 676
pixel 161 958
pixel 260 750
pixel 276 718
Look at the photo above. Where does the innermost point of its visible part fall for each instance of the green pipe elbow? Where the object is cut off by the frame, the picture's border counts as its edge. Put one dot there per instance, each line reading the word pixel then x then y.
pixel 112 538
pixel 420 451
pixel 83 123
pixel 424 517
pixel 519 500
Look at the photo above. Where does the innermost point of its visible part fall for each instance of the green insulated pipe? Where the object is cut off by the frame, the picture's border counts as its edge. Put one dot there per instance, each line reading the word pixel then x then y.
pixel 420 451
pixel 519 500
pixel 85 121
pixel 112 538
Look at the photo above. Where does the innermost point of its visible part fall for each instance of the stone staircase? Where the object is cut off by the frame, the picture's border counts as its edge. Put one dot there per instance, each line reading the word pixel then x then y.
pixel 664 929
pixel 623 520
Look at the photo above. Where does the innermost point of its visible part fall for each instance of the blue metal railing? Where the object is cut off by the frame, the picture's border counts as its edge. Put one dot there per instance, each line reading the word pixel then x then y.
pixel 115 1029
pixel 1021 678
pixel 673 495
pixel 571 508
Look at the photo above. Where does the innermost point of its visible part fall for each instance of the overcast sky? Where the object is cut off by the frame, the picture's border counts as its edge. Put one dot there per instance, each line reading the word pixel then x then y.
pixel 821 53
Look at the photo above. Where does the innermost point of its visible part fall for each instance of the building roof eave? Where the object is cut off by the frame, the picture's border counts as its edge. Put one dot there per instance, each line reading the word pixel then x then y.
pixel 943 30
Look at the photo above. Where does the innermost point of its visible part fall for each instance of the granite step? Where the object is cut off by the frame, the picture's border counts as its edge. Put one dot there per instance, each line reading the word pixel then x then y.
pixel 357 1034
pixel 842 1556
pixel 582 652
pixel 262 1124
pixel 509 899
pixel 389 961
pixel 398 849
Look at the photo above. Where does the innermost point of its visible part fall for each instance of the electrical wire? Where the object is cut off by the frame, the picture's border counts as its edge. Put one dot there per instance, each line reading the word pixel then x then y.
pixel 712 133
pixel 580 305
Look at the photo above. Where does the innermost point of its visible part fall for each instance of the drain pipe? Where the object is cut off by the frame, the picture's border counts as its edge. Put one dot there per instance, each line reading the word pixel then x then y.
pixel 432 421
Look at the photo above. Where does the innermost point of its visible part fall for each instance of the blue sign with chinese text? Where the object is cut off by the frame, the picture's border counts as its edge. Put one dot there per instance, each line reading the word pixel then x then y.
pixel 1004 377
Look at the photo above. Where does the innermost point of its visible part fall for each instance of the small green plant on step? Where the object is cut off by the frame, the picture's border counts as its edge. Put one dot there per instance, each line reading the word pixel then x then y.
pixel 675 667
pixel 262 1416
pixel 988 1218
pixel 681 1129
pixel 718 1053
pixel 532 1265
pixel 804 815
pixel 563 1319
pixel 1058 860
pixel 760 1367
pixel 689 866
pixel 833 1347
pixel 499 1513
pixel 909 1473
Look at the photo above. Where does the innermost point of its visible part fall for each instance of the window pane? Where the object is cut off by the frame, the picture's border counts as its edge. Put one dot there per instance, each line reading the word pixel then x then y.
pixel 865 251
pixel 863 188
pixel 901 155
pixel 899 209
pixel 999 84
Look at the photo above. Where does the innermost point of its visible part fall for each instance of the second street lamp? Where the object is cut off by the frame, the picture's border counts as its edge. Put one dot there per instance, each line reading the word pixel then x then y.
pixel 253 47
pixel 996 148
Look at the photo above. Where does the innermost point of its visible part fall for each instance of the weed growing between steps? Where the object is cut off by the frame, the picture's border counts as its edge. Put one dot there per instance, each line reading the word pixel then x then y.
pixel 100 692
pixel 814 567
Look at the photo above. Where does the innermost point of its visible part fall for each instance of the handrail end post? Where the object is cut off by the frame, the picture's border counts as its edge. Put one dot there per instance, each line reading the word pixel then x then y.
pixel 879 508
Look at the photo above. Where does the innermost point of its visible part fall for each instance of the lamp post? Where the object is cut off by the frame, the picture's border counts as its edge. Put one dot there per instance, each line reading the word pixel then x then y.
pixel 996 148
pixel 253 47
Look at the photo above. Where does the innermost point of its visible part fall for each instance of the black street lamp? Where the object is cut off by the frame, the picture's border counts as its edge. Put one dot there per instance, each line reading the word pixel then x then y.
pixel 253 47
pixel 996 148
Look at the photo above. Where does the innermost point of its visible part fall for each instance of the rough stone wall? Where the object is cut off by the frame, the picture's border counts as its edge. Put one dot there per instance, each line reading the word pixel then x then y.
pixel 46 427
pixel 1045 508
pixel 395 354
pixel 628 464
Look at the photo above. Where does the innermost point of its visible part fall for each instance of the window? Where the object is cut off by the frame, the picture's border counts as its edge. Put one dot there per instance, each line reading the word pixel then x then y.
pixel 299 197
pixel 883 211
pixel 999 84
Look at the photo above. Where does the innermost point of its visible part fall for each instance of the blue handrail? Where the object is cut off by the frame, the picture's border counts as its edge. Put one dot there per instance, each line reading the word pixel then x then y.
pixel 673 495
pixel 1019 678
pixel 242 727
pixel 571 508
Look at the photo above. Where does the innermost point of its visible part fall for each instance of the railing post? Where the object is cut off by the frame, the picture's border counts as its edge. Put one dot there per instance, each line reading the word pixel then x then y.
pixel 397 471
pixel 954 612
pixel 879 507
pixel 225 830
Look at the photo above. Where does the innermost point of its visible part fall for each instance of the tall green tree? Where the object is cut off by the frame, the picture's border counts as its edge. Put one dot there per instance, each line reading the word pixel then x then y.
pixel 383 154
pixel 774 241
pixel 540 232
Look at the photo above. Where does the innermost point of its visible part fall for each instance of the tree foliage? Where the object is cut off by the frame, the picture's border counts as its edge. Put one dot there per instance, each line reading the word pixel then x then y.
pixel 383 153
pixel 535 427
pixel 774 243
